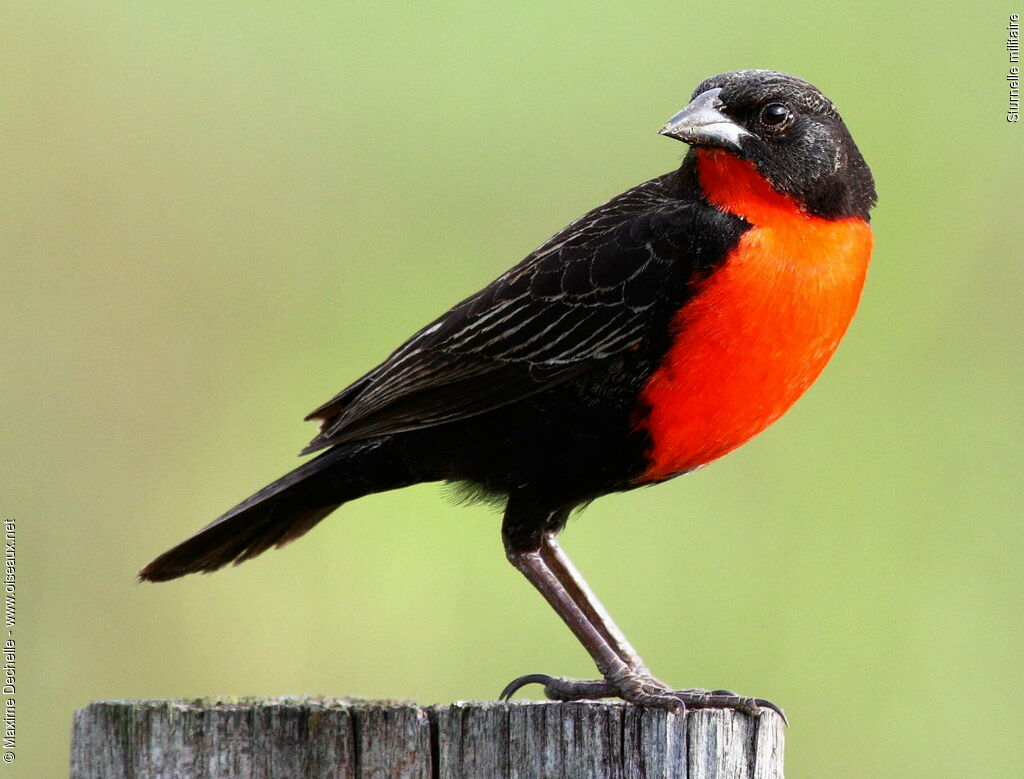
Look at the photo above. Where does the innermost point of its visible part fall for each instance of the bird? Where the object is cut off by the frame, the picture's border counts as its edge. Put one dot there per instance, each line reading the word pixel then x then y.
pixel 645 340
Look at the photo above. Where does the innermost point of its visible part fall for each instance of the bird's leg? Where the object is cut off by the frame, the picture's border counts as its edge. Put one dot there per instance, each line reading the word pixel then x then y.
pixel 537 570
pixel 570 578
pixel 549 569
pixel 574 603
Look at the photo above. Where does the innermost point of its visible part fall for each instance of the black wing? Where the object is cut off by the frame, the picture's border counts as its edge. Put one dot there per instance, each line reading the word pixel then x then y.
pixel 570 306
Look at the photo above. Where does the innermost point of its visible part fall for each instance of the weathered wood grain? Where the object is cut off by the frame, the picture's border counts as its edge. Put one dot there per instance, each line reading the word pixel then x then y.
pixel 342 738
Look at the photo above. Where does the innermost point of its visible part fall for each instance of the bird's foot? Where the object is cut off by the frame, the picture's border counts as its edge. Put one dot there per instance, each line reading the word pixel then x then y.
pixel 642 690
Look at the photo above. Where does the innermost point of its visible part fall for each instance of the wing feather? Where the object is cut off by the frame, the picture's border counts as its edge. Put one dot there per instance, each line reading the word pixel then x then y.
pixel 570 306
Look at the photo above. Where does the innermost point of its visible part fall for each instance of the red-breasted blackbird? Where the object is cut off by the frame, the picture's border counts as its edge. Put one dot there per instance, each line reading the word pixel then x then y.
pixel 646 339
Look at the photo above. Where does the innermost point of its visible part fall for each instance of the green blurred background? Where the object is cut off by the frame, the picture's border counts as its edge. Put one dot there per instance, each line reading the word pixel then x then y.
pixel 214 216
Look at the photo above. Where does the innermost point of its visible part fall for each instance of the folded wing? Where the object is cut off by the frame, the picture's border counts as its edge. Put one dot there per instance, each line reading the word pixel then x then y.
pixel 578 301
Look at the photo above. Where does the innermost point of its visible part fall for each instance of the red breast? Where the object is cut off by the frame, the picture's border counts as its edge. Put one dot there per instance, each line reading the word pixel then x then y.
pixel 761 327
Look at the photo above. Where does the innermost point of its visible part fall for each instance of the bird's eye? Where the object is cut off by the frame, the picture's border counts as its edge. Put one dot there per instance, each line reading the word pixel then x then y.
pixel 774 114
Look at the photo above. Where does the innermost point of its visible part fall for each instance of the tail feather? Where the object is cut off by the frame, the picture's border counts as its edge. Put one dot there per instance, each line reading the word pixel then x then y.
pixel 279 513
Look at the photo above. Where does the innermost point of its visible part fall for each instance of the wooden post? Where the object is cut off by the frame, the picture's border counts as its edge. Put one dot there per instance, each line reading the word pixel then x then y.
pixel 329 737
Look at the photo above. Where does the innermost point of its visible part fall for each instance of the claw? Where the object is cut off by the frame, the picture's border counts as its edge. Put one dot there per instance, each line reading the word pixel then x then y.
pixel 762 703
pixel 517 684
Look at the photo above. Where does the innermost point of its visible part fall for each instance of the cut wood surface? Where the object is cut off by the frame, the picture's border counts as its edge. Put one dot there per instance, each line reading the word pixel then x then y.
pixel 340 737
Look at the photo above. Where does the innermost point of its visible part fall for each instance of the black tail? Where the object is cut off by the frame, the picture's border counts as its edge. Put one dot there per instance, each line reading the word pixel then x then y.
pixel 286 509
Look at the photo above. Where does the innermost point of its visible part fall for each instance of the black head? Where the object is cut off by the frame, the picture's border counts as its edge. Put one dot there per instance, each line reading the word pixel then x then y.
pixel 791 133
